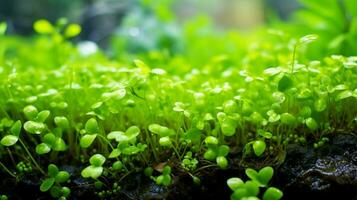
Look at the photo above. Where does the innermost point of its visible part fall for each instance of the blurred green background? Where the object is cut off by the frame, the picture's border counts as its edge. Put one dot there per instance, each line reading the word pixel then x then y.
pixel 101 18
pixel 177 27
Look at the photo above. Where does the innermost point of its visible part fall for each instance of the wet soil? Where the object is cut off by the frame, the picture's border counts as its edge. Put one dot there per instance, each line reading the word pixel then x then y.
pixel 329 172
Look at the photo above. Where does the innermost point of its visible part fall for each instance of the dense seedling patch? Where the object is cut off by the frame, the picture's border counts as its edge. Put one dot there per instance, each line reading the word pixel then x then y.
pixel 60 106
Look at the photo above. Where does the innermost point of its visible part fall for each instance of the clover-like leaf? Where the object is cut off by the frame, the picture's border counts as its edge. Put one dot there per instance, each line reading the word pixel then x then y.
pixel 118 136
pixel 162 131
pixel 92 171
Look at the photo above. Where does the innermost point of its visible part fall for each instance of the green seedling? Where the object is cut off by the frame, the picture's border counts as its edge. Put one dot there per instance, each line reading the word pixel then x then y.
pixel 216 152
pixel 95 169
pixel 91 132
pixel 54 181
pixel 165 178
pixel 189 163
pixel 251 188
pixel 164 134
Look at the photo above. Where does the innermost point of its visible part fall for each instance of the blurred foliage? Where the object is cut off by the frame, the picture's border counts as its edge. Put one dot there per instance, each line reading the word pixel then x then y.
pixel 335 21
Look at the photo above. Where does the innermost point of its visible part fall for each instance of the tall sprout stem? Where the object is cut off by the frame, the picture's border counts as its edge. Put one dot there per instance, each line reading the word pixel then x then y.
pixel 293 59
pixel 31 157
pixel 7 170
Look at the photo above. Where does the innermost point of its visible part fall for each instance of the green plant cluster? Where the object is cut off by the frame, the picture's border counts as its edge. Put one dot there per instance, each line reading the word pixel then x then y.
pixel 159 113
pixel 250 189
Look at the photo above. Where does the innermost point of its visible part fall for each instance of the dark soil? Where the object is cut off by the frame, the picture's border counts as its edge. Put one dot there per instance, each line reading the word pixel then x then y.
pixel 329 172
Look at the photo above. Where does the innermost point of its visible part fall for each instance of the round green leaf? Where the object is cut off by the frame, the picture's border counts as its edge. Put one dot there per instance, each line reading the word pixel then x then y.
pixel 118 136
pixel 62 122
pixel 210 154
pixel 162 131
pixel 272 193
pixel 47 184
pixel 165 141
pixel 42 148
pixel 49 139
pixel 62 177
pixel 132 132
pixel 166 170
pixel 118 165
pixel 92 171
pixel 16 128
pixel 42 116
pixel 92 126
pixel 252 174
pixel 87 140
pixel 287 119
pixel 9 140
pixel 320 105
pixel 211 140
pixel 343 95
pixel 239 193
pixel 34 127
pixel 265 175
pixel 252 188
pixel 43 26
pixel 56 191
pixel 52 170
pixel 131 150
pixel 223 150
pixel 65 191
pixel 72 30
pixel 59 145
pixel 259 147
pixel 278 97
pixel 97 160
pixel 234 183
pixel 311 124
pixel 3 27
pixel 30 112
pixel 115 153
pixel 222 162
